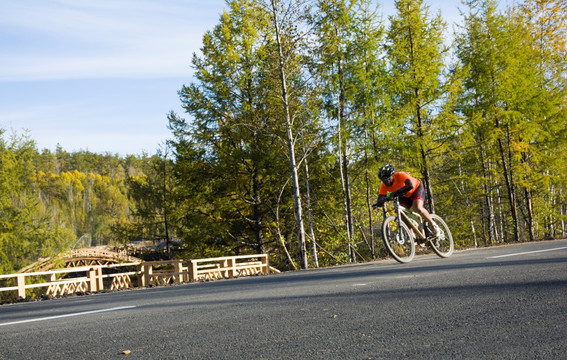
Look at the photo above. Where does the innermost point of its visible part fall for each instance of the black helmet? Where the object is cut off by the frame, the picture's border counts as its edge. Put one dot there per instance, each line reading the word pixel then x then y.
pixel 385 172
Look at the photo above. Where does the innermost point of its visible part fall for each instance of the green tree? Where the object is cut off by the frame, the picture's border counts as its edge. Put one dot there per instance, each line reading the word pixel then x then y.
pixel 349 69
pixel 233 131
pixel 514 108
pixel 370 100
pixel 26 229
pixel 333 24
pixel 416 52
pixel 546 22
pixel 287 17
pixel 476 48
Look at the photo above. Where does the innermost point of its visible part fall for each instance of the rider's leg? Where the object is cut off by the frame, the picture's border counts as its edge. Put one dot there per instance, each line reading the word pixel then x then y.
pixel 417 206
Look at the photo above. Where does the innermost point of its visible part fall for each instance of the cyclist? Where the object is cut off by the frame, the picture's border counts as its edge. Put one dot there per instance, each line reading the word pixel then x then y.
pixel 409 190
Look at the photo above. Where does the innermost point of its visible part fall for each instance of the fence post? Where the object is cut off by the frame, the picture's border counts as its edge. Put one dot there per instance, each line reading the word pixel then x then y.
pixel 95 279
pixel 265 265
pixel 99 278
pixel 92 279
pixel 21 286
pixel 141 278
pixel 231 263
pixel 192 270
pixel 185 270
pixel 177 268
pixel 147 274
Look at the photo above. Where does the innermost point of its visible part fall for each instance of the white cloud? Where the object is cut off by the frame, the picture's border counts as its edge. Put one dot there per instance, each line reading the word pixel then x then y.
pixel 97 74
pixel 134 64
pixel 103 38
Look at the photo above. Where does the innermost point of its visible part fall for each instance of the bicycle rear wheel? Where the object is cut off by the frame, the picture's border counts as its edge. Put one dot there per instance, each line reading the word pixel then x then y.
pixel 442 244
pixel 398 240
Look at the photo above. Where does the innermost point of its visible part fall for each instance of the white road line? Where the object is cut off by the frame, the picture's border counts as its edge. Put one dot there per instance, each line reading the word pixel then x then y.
pixel 67 315
pixel 527 252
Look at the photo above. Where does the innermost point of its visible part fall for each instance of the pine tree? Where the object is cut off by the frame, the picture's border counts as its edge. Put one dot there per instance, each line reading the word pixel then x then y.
pixel 546 22
pixel 235 131
pixel 347 65
pixel 415 53
pixel 333 24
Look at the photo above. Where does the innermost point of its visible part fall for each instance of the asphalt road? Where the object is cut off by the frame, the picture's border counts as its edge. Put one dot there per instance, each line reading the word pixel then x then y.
pixel 506 302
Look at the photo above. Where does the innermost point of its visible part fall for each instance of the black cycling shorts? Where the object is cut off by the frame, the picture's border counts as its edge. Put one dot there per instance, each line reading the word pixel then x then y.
pixel 418 194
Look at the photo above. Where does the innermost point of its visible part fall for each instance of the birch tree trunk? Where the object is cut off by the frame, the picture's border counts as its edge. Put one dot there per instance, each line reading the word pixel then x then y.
pixel 488 200
pixel 343 167
pixel 290 141
pixel 468 202
pixel 310 214
pixel 551 218
pixel 562 211
pixel 368 201
pixel 500 227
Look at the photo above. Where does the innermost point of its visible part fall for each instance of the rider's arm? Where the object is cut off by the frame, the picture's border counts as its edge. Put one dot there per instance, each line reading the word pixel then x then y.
pixel 381 200
pixel 404 189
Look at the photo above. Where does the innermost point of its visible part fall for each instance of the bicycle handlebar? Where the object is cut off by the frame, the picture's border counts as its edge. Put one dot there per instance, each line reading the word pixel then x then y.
pixel 392 198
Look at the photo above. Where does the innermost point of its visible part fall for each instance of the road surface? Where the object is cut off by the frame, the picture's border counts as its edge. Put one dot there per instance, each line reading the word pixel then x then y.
pixel 507 302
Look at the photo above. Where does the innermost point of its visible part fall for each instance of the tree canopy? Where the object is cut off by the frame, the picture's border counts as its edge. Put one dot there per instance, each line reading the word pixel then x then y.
pixel 293 107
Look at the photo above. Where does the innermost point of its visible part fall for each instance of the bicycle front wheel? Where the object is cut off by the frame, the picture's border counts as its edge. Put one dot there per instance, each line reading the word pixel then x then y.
pixel 398 240
pixel 442 244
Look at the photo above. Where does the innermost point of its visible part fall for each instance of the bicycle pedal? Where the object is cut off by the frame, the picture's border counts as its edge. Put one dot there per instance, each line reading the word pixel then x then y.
pixel 434 241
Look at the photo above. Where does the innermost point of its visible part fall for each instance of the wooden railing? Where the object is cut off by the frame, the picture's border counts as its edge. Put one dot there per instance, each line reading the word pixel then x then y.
pixel 158 273
pixel 154 273
pixel 55 286
pixel 228 267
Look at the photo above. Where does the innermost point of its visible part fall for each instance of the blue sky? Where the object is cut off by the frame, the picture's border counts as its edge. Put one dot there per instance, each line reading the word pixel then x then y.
pixel 102 75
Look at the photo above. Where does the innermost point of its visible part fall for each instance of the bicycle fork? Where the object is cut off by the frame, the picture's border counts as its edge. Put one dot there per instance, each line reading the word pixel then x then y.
pixel 399 238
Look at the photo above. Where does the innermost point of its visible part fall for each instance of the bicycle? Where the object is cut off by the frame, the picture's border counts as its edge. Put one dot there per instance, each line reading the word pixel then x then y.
pixel 400 236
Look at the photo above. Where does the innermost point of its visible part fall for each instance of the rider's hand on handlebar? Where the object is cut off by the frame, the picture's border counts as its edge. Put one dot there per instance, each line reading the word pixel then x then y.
pixel 392 195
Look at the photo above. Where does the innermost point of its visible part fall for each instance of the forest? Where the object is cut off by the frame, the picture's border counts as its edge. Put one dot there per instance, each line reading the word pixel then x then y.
pixel 292 109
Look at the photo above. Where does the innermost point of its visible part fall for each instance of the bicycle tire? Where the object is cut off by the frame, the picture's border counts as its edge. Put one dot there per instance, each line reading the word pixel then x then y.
pixel 400 244
pixel 443 244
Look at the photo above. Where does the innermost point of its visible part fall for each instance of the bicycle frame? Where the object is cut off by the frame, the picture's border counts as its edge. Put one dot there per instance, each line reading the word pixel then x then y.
pixel 407 226
pixel 402 213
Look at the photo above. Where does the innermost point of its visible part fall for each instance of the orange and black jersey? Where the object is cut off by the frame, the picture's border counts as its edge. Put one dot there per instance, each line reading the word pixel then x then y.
pixel 404 185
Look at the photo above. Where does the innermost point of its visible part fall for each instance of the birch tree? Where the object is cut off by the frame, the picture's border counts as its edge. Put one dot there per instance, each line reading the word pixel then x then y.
pixel 333 24
pixel 415 52
pixel 233 126
pixel 546 20
pixel 284 17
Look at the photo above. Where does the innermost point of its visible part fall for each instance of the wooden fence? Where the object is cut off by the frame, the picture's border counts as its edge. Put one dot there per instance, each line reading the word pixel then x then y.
pixel 228 267
pixel 130 275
